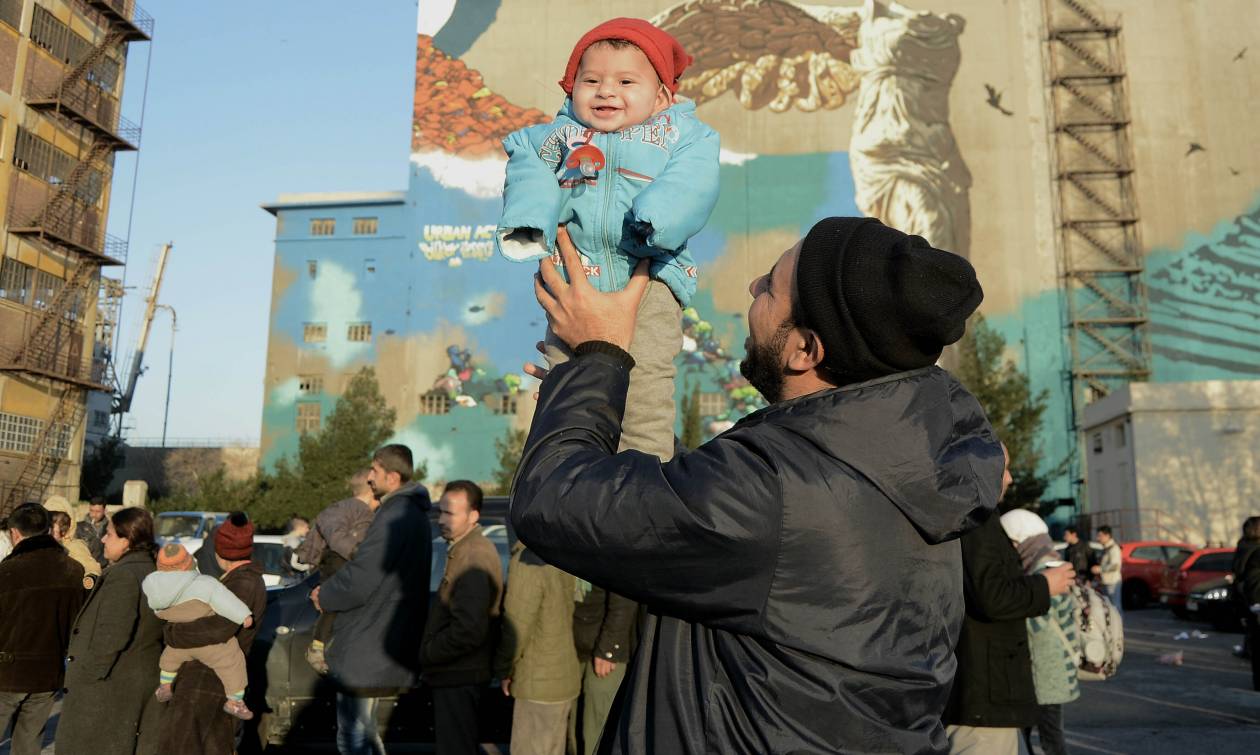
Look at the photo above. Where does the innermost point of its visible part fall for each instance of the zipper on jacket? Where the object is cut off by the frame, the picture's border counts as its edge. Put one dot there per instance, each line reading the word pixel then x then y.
pixel 610 188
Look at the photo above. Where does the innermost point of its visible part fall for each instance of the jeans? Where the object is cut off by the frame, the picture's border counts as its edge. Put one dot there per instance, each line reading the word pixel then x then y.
pixel 28 713
pixel 1113 592
pixel 356 726
pixel 1049 731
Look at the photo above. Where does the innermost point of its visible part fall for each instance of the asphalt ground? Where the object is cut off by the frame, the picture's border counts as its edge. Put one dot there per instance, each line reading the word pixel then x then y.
pixel 1205 705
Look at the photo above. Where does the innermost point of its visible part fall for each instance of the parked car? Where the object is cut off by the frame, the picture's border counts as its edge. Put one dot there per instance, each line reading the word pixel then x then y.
pixel 297 704
pixel 1214 601
pixel 186 527
pixel 1185 575
pixel 269 553
pixel 1142 567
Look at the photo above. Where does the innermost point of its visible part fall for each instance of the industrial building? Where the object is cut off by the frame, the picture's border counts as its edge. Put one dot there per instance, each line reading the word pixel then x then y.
pixel 62 65
pixel 1086 155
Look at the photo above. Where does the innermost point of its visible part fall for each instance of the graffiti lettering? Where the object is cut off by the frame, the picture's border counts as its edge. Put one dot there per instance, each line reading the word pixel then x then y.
pixel 437 251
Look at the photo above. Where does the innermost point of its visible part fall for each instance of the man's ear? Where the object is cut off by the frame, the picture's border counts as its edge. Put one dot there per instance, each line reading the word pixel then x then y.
pixel 807 351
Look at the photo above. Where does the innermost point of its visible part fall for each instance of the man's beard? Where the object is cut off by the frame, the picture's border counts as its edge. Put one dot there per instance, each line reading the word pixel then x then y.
pixel 761 366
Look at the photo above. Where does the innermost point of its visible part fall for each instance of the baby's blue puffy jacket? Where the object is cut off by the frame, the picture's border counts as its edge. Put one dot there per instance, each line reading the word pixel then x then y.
pixel 656 189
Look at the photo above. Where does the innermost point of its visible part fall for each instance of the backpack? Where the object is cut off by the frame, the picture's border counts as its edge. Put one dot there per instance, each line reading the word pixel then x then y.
pixel 1099 632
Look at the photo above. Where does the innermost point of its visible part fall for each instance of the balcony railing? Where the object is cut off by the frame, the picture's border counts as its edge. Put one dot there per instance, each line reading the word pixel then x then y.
pixel 67 222
pixel 58 361
pixel 127 14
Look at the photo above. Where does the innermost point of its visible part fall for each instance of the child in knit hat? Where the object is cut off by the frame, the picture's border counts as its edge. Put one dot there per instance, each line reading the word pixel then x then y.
pixel 177 593
pixel 633 174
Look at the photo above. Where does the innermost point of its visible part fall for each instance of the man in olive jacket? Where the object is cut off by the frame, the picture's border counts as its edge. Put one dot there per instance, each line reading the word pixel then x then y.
pixel 463 622
pixel 536 660
pixel 801 571
pixel 41 592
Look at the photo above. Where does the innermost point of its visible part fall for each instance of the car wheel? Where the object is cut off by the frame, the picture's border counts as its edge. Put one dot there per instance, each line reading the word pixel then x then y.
pixel 1135 594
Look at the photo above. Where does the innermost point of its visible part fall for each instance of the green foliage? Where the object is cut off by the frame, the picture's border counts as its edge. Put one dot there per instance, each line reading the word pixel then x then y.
pixel 99 468
pixel 1006 396
pixel 360 423
pixel 692 428
pixel 508 449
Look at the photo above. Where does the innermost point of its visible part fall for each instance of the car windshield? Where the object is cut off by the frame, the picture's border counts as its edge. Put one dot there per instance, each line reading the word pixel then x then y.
pixel 270 556
pixel 1178 558
pixel 1213 562
pixel 181 526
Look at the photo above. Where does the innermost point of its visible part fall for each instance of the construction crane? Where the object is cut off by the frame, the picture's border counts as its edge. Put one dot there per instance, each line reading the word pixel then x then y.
pixel 122 401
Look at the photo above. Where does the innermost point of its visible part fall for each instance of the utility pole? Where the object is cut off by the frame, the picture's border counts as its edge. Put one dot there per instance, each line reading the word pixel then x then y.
pixel 170 369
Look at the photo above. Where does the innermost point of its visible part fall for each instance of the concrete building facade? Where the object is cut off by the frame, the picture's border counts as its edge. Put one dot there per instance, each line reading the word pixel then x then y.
pixel 1086 156
pixel 62 68
pixel 1176 460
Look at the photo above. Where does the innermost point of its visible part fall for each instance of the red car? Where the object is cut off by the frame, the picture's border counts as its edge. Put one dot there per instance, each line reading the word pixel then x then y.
pixel 1142 568
pixel 1183 575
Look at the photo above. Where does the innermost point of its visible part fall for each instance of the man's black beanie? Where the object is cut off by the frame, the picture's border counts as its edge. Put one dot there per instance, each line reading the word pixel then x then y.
pixel 881 301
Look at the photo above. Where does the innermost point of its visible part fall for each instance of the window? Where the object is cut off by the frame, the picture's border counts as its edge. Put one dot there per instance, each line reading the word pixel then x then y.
pixel 365 226
pixel 100 418
pixel 1121 433
pixel 11 12
pixel 323 226
pixel 359 331
pixel 1098 444
pixel 312 269
pixel 308 416
pixel 369 268
pixel 309 384
pixel 53 165
pixel 70 48
pixel 1213 562
pixel 314 332
pixel 1178 556
pixel 46 287
pixel 435 402
pixel 712 404
pixel 15 280
pixel 18 433
pixel 1148 553
pixel 501 403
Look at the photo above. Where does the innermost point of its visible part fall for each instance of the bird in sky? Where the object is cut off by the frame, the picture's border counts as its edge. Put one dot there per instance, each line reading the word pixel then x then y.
pixel 1195 147
pixel 476 308
pixel 995 100
pixel 1234 171
pixel 1240 55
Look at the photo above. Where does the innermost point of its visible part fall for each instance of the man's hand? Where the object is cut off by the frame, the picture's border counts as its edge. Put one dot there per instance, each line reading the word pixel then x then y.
pixel 506 686
pixel 577 312
pixel 1059 578
pixel 249 622
pixel 1095 569
pixel 603 668
pixel 315 599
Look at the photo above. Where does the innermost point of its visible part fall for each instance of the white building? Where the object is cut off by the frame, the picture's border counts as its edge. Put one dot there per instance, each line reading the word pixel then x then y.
pixel 1175 460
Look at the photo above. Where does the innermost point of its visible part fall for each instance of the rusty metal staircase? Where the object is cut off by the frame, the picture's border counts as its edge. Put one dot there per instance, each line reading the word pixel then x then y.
pixel 1101 256
pixel 54 348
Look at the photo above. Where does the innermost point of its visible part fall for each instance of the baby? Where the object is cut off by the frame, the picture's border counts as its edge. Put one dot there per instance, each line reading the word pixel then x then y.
pixel 633 174
pixel 177 593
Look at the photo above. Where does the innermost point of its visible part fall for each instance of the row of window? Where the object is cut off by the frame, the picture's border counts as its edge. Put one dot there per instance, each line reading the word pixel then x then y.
pixel 328 226
pixel 53 165
pixel 23 284
pixel 317 332
pixel 18 433
pixel 369 268
pixel 1121 436
pixel 308 414
pixel 65 44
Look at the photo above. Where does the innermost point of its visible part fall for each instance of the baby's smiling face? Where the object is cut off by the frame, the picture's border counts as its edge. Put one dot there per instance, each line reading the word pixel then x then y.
pixel 616 88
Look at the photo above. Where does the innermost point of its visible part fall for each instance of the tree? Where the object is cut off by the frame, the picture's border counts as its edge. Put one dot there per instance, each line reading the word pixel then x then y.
pixel 692 429
pixel 360 423
pixel 508 449
pixel 1005 393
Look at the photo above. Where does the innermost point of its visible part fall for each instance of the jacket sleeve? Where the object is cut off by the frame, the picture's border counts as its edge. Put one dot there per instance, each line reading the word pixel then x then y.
pixel 120 603
pixel 532 200
pixel 225 603
pixel 696 537
pixel 996 587
pixel 1111 560
pixel 1251 578
pixel 678 202
pixel 521 606
pixel 469 619
pixel 344 531
pixel 312 548
pixel 355 582
pixel 613 642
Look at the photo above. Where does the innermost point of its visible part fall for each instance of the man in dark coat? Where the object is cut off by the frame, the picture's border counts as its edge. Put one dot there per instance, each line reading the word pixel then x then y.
pixel 381 597
pixel 603 630
pixel 1078 553
pixel 801 571
pixel 993 696
pixel 194 720
pixel 463 623
pixel 1246 570
pixel 92 529
pixel 41 592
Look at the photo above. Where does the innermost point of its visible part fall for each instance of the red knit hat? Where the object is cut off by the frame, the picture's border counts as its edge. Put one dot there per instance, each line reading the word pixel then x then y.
pixel 662 50
pixel 234 541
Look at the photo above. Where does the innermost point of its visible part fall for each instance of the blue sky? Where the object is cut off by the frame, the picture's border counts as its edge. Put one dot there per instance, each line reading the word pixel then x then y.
pixel 245 101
